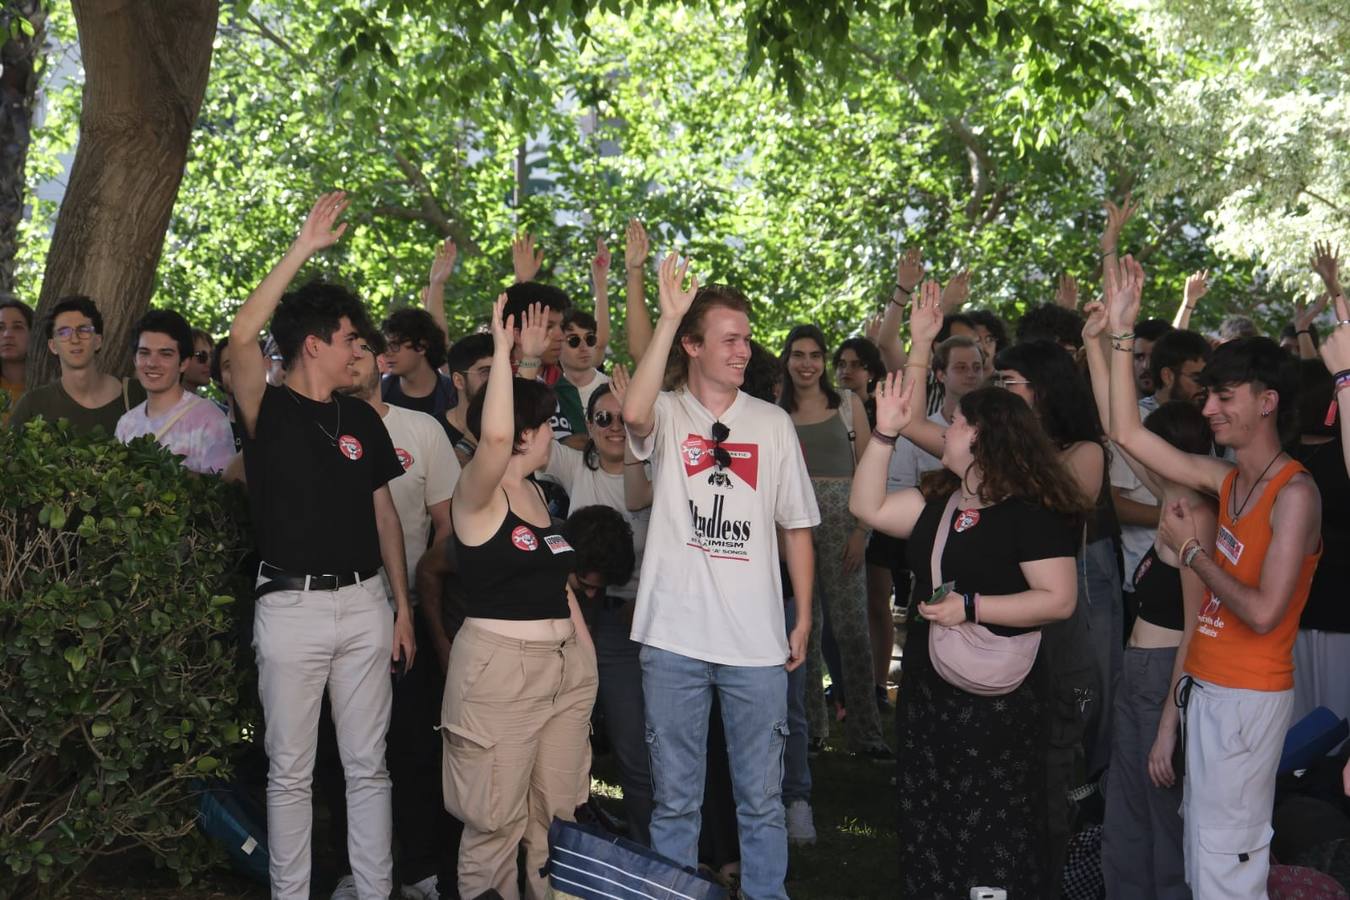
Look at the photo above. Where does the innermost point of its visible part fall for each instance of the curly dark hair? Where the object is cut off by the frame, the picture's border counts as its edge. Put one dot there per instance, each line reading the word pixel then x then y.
pixel 1049 322
pixel 1063 398
pixel 165 321
pixel 417 327
pixel 315 310
pixel 603 542
pixel 76 303
pixel 1014 456
pixel 533 403
pixel 807 332
pixel 991 323
pixel 868 355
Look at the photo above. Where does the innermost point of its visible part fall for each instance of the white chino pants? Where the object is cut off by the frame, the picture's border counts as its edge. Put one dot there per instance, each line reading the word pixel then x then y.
pixel 306 641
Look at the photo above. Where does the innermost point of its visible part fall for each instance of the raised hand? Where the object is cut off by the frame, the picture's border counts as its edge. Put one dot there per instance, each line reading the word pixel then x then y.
pixel 525 260
pixel 872 327
pixel 1305 315
pixel 675 298
pixel 635 248
pixel 618 382
pixel 1335 347
pixel 1197 286
pixel 503 332
pixel 894 404
pixel 1067 293
pixel 1116 217
pixel 957 291
pixel 909 270
pixel 600 262
pixel 321 230
pixel 1095 323
pixel 1326 263
pixel 444 263
pixel 534 332
pixel 1125 286
pixel 925 314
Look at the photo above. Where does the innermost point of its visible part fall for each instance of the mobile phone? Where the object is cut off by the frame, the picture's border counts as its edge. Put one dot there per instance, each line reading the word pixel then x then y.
pixel 942 590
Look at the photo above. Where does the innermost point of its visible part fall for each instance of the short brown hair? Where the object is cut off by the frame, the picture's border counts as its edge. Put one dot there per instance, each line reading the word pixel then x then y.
pixel 944 350
pixel 710 296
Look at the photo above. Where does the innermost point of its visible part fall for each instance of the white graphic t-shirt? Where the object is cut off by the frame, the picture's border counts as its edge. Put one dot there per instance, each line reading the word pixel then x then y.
pixel 710 587
pixel 430 473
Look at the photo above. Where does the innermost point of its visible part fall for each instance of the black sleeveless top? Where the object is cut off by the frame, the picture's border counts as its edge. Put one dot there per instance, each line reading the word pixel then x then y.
pixel 520 573
pixel 1157 587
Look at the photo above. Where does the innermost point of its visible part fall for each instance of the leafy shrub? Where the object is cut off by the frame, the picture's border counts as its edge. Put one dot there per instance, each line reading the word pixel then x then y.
pixel 118 682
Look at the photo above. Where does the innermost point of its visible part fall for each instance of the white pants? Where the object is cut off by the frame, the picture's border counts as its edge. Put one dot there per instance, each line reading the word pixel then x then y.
pixel 306 641
pixel 1233 742
pixel 1321 672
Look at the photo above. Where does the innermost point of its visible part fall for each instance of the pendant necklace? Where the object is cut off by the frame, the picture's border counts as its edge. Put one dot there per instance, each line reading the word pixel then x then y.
pixel 337 429
pixel 1233 490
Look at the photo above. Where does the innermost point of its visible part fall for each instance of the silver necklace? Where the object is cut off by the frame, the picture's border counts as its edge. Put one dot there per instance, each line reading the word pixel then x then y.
pixel 337 429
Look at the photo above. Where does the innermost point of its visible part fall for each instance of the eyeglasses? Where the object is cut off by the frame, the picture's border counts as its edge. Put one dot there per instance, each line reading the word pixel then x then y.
pixel 574 340
pixel 720 433
pixel 604 418
pixel 202 356
pixel 1001 381
pixel 68 332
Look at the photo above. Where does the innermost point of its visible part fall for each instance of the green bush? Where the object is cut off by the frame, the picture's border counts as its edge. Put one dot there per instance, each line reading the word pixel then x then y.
pixel 118 677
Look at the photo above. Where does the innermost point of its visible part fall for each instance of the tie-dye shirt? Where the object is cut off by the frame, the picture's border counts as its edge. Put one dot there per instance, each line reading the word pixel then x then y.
pixel 194 428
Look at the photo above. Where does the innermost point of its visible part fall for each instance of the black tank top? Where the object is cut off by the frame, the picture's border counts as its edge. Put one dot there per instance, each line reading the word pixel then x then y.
pixel 520 573
pixel 1157 587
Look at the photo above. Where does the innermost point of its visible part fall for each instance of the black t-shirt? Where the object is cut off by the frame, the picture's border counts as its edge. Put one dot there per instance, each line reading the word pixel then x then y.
pixel 984 556
pixel 455 434
pixel 425 404
pixel 313 496
pixel 1327 608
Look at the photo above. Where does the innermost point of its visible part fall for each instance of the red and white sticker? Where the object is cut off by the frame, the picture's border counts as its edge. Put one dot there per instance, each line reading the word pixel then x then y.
pixel 350 447
pixel 405 458
pixel 966 520
pixel 1229 545
pixel 524 539
pixel 557 544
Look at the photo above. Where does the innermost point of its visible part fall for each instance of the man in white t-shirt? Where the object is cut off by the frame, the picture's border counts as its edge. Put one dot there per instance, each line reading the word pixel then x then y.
pixel 422 497
pixel 727 472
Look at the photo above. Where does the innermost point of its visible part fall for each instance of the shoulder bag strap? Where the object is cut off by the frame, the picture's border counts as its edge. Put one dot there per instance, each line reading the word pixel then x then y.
pixel 126 394
pixel 940 539
pixel 164 429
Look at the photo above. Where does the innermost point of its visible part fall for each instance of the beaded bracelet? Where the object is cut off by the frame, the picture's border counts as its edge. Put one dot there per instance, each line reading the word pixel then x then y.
pixel 1123 336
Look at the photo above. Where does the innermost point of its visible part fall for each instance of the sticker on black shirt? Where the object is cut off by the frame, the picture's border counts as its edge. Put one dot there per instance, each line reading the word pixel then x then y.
pixel 350 447
pixel 966 520
pixel 557 543
pixel 524 539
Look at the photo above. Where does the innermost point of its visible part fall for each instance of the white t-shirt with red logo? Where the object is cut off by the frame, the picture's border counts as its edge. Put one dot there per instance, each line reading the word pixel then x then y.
pixel 430 473
pixel 710 587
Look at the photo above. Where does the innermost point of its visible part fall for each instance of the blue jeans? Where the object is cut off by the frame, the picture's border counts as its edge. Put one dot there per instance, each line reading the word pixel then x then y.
pixel 678 691
pixel 796 766
pixel 620 699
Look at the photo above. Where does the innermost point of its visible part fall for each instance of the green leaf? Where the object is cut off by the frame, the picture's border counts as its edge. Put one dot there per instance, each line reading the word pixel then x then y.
pixel 207 764
pixel 76 657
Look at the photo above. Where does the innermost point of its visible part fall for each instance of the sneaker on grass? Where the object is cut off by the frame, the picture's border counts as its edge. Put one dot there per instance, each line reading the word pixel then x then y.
pixel 426 889
pixel 800 828
pixel 346 889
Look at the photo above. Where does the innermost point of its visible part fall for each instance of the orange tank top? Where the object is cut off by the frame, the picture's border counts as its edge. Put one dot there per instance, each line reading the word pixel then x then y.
pixel 1225 650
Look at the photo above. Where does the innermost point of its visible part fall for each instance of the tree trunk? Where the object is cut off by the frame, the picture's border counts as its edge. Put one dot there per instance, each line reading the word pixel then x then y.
pixel 18 87
pixel 146 64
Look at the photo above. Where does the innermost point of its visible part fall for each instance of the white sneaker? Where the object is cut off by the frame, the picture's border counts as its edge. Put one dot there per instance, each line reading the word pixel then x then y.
pixel 346 889
pixel 426 889
pixel 800 828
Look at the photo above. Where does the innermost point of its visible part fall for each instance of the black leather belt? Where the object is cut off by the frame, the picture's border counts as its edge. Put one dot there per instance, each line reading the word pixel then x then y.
pixel 281 580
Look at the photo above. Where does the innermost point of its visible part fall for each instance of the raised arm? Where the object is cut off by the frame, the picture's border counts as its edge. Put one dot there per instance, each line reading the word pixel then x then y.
pixel 434 296
pixel 637 321
pixel 1099 364
pixel 956 293
pixel 1066 295
pixel 639 406
pixel 1196 287
pixel 1304 316
pixel 248 370
pixel 894 513
pixel 908 273
pixel 1335 352
pixel 525 260
pixel 1203 473
pixel 925 321
pixel 1116 217
pixel 600 285
pixel 637 487
pixel 479 480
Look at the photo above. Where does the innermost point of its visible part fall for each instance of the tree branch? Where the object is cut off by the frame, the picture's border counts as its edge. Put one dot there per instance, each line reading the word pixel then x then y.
pixel 264 31
pixel 430 210
pixel 981 167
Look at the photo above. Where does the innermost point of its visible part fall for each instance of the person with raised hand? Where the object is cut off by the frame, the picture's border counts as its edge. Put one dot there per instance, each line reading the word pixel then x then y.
pixel 908 273
pixel 522 679
pixel 1239 672
pixel 971 779
pixel 1197 286
pixel 318 464
pixel 726 469
pixel 433 295
pixel 526 261
pixel 637 320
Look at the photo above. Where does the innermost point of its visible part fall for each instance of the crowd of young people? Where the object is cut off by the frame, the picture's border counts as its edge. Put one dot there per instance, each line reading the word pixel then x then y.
pixel 1080 524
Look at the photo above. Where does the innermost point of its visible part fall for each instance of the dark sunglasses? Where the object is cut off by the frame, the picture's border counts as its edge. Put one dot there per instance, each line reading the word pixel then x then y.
pixel 720 433
pixel 574 340
pixel 202 356
pixel 604 418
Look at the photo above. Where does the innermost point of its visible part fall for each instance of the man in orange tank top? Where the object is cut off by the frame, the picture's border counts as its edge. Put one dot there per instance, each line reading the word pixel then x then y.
pixel 1239 668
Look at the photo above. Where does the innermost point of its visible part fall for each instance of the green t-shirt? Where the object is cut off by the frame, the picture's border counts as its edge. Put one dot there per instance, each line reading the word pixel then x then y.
pixel 52 403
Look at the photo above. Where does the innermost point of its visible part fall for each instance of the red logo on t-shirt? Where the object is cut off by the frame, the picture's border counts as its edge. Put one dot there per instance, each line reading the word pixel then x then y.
pixel 404 457
pixel 524 539
pixel 966 520
pixel 697 452
pixel 350 447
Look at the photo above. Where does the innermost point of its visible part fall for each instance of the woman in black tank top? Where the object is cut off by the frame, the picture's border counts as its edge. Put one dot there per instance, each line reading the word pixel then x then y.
pixel 522 677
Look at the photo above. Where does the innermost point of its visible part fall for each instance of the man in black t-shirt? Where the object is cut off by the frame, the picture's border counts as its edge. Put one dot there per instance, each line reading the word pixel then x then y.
pixel 318 466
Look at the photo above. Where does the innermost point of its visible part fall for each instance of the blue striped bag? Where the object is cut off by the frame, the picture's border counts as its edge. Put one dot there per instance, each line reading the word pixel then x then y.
pixel 588 863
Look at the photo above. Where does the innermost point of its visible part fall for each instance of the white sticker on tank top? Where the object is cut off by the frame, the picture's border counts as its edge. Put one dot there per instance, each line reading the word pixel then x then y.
pixel 557 543
pixel 1228 545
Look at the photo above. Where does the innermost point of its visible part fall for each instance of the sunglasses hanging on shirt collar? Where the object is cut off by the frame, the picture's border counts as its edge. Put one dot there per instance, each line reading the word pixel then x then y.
pixel 720 433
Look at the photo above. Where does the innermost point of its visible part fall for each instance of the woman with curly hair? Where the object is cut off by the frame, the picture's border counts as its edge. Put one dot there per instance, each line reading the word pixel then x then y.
pixel 972 766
